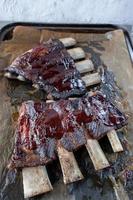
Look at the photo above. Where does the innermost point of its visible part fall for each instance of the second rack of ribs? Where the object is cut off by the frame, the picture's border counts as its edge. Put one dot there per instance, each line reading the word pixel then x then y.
pixel 43 126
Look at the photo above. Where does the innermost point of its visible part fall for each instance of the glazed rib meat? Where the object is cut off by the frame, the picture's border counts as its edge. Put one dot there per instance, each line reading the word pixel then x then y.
pixel 42 126
pixel 50 67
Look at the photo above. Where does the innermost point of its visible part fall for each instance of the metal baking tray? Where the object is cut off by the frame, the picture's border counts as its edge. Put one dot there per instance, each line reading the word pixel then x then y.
pixel 89 188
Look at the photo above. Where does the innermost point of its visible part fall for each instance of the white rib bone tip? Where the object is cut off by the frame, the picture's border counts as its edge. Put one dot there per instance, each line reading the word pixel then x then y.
pixel 114 141
pixel 69 166
pixel 96 154
pixel 68 42
pixel 91 79
pixel 20 78
pixel 35 181
pixel 10 75
pixel 50 101
pixel 36 86
pixel 76 53
pixel 84 66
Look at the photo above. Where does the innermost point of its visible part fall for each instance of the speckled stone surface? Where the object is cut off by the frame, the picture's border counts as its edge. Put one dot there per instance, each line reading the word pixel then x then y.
pixel 68 11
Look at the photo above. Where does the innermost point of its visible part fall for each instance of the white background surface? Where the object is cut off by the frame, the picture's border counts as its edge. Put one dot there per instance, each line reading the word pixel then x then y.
pixel 68 11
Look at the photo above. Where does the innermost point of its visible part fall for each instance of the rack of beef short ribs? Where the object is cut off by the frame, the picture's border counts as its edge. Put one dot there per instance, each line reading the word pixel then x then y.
pixel 83 67
pixel 49 67
pixel 71 122
pixel 70 169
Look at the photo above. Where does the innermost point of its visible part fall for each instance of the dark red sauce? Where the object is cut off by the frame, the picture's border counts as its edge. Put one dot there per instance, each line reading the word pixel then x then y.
pixel 40 125
pixel 51 67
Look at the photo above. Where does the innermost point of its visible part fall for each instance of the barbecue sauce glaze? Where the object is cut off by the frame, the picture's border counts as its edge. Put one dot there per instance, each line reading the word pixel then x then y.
pixel 50 67
pixel 44 126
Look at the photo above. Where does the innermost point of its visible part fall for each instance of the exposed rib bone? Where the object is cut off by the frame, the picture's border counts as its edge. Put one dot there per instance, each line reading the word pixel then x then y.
pixel 76 53
pixel 69 166
pixel 96 154
pixel 20 78
pixel 85 66
pixel 91 79
pixel 35 181
pixel 68 42
pixel 114 141
pixel 9 75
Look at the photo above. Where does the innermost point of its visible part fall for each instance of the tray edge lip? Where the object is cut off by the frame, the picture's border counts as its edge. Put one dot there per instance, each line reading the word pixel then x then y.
pixel 64 25
pixel 74 25
pixel 67 25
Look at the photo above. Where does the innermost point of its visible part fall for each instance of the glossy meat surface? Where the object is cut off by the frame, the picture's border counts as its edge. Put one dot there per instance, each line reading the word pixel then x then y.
pixel 41 126
pixel 50 67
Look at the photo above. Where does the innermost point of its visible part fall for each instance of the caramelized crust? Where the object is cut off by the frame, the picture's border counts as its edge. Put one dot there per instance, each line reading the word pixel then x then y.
pixel 51 68
pixel 41 125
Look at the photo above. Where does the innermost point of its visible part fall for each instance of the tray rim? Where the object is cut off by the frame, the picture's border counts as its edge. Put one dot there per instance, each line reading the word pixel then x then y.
pixel 80 26
pixel 92 27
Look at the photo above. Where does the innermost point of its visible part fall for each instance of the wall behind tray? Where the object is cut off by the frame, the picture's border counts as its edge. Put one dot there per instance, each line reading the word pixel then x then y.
pixel 68 11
